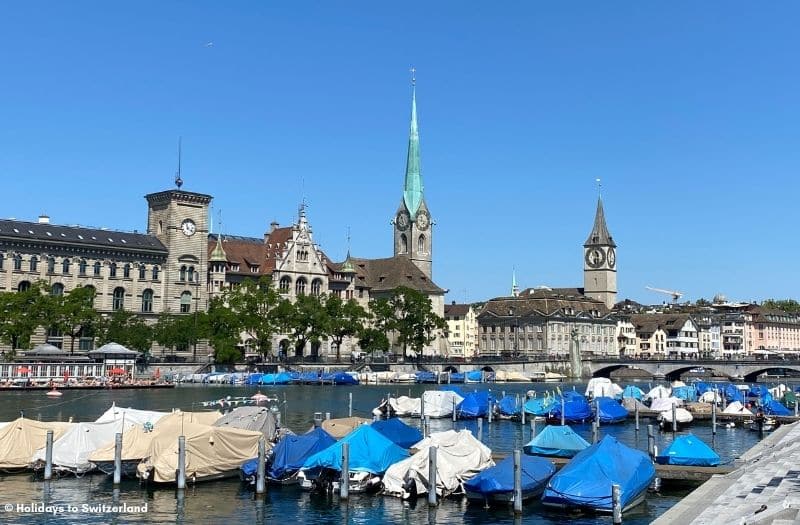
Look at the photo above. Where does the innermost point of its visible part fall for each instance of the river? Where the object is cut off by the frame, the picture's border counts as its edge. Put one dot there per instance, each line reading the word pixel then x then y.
pixel 63 500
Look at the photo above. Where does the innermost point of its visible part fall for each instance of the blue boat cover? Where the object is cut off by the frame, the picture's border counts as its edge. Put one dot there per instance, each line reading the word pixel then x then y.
pixel 290 453
pixel 632 391
pixel 253 379
pixel 775 408
pixel 610 410
pixel 688 450
pixel 457 377
pixel 403 435
pixel 275 379
pixel 370 451
pixel 687 393
pixel 576 408
pixel 343 378
pixel 425 377
pixel 457 389
pixel 475 375
pixel 475 404
pixel 540 406
pixel 586 480
pixel 509 406
pixel 702 387
pixel 556 441
pixel 499 479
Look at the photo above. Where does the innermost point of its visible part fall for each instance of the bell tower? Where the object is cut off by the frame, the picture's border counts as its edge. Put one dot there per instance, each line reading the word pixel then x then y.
pixel 413 227
pixel 600 261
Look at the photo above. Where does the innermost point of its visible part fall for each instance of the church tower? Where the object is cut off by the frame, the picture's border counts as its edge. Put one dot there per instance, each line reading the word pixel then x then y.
pixel 600 261
pixel 412 223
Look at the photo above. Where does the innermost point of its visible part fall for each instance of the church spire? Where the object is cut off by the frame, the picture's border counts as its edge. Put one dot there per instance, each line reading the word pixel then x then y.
pixel 412 191
pixel 600 234
pixel 514 287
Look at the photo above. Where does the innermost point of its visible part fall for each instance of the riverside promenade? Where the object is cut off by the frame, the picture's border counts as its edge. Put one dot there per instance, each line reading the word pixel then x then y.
pixel 764 487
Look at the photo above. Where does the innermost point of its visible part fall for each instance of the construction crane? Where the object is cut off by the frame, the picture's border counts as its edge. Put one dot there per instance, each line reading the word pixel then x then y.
pixel 675 295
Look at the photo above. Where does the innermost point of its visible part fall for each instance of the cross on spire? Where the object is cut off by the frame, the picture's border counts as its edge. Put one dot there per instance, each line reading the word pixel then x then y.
pixel 413 71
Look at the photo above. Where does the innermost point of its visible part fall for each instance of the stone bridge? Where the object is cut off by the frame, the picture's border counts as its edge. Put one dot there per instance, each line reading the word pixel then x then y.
pixel 742 370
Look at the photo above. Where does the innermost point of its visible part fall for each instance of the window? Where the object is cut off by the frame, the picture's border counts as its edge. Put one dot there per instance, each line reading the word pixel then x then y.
pixel 403 243
pixel 23 286
pixel 142 272
pixel 118 301
pixel 51 265
pixel 65 266
pixel 57 290
pixel 97 268
pixel 18 262
pixel 55 337
pixel 186 302
pixel 300 286
pixel 182 276
pixel 155 273
pixel 360 293
pixel 285 284
pixel 147 300
pixel 112 270
pixel 421 244
pixel 126 271
pixel 34 264
pixel 191 274
pixel 94 294
pixel 316 286
pixel 2 258
pixel 82 267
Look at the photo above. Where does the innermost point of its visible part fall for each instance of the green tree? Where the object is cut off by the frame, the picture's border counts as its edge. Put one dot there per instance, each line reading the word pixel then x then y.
pixel 416 323
pixel 372 340
pixel 127 329
pixel 253 302
pixel 74 313
pixel 346 319
pixel 222 327
pixel 305 320
pixel 786 305
pixel 702 302
pixel 21 313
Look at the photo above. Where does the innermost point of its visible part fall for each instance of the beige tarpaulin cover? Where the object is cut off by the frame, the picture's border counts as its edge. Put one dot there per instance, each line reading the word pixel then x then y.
pixel 459 457
pixel 71 451
pixel 260 419
pixel 339 428
pixel 20 438
pixel 211 452
pixel 136 442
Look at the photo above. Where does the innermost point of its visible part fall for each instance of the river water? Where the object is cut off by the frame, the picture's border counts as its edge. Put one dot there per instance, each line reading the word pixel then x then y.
pixel 71 500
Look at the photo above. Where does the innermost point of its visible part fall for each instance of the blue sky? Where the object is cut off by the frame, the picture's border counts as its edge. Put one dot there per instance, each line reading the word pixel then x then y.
pixel 687 111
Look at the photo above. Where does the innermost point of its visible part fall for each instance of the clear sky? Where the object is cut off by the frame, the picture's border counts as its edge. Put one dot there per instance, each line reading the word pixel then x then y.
pixel 688 112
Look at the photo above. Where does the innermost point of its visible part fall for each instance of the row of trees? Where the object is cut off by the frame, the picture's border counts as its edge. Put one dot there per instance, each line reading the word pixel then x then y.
pixel 253 308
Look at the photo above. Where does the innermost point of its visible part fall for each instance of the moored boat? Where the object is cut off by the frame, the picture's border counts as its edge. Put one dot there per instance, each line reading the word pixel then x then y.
pixel 288 456
pixel 610 410
pixel 496 484
pixel 556 441
pixel 682 416
pixel 404 436
pixel 688 450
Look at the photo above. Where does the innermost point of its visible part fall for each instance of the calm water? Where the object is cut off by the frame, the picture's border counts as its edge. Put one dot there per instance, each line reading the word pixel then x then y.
pixel 227 502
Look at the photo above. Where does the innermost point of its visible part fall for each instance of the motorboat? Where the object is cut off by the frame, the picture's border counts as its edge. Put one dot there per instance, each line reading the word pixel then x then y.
pixel 21 438
pixel 340 427
pixel 288 456
pixel 610 410
pixel 509 407
pixel 602 387
pixel 71 451
pixel 496 484
pixel 397 406
pixel 474 405
pixel 258 419
pixel 556 441
pixel 438 403
pixel 576 408
pixel 404 436
pixel 406 378
pixel 424 376
pixel 682 416
pixel 688 450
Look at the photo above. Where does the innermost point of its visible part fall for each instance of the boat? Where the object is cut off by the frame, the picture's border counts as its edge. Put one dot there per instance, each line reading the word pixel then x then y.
pixel 512 376
pixel 340 427
pixel 602 387
pixel 576 408
pixel 423 376
pixel 474 405
pixel 402 435
pixel 283 378
pixel 556 441
pixel 133 415
pixel 258 419
pixel 632 392
pixel 585 482
pixel 768 425
pixel 397 406
pixel 406 378
pixel 21 438
pixel 456 377
pixel 688 450
pixel 288 456
pixel 496 484
pixel 459 457
pixel 554 377
pixel 53 393
pixel 438 403
pixel 540 406
pixel 661 404
pixel 737 408
pixel 340 378
pixel 682 416
pixel 71 451
pixel 371 453
pixel 775 408
pixel 658 392
pixel 686 393
pixel 508 407
pixel 479 376
pixel 610 410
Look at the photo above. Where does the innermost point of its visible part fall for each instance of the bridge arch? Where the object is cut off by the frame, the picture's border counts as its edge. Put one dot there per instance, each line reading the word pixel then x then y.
pixel 607 370
pixel 675 373
pixel 487 368
pixel 752 375
pixel 450 368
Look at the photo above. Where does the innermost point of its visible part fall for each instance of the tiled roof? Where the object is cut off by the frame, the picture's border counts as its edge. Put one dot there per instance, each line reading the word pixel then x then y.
pixel 456 309
pixel 388 274
pixel 543 302
pixel 649 323
pixel 13 230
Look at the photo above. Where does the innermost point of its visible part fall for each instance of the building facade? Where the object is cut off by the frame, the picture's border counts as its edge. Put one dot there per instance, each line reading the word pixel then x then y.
pixel 462 330
pixel 600 261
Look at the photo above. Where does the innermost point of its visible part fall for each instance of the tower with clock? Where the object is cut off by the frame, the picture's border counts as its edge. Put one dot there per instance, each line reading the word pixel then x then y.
pixel 600 261
pixel 413 227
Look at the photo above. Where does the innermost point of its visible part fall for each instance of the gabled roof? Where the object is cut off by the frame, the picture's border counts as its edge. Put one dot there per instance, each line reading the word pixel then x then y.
pixel 649 323
pixel 387 274
pixel 545 302
pixel 13 230
pixel 457 309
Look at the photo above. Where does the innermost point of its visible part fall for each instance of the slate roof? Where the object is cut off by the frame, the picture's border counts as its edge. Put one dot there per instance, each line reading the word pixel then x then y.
pixel 387 274
pixel 543 302
pixel 456 309
pixel 600 234
pixel 13 230
pixel 649 323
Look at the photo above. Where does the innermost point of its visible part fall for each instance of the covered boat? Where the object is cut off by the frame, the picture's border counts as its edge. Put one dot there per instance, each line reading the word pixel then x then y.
pixel 211 453
pixel 72 450
pixel 576 408
pixel 658 392
pixel 540 406
pixel 610 410
pixel 633 392
pixel 737 408
pixel 339 428
pixel 585 482
pixel 496 484
pixel 660 404
pixel 259 419
pixel 602 387
pixel 283 378
pixel 683 416
pixel 775 408
pixel 424 376
pixel 512 376
pixel 403 435
pixel 457 377
pixel 688 450
pixel 474 405
pixel 288 456
pixel 134 415
pixel 459 457
pixel 710 396
pixel 397 406
pixel 509 407
pixel 21 438
pixel 340 378
pixel 478 376
pixel 438 403
pixel 556 441
pixel 686 393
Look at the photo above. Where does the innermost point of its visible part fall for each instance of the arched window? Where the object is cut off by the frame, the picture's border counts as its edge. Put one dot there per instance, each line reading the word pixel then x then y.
pixel 155 273
pixel 118 301
pixel 126 271
pixel 142 272
pixel 23 286
pixel 183 273
pixel 316 287
pixel 65 266
pixel 421 244
pixel 147 300
pixel 18 262
pixel 34 264
pixel 403 243
pixel 97 268
pixel 51 265
pixel 190 275
pixel 300 286
pixel 160 227
pixel 57 290
pixel 82 267
pixel 112 270
pixel 186 302
pixel 286 283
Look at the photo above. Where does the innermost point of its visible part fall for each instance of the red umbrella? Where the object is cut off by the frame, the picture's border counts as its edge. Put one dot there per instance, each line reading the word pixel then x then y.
pixel 23 370
pixel 66 375
pixel 116 371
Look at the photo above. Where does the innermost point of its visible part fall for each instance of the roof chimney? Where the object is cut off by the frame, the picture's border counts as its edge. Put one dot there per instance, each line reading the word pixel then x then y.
pixel 44 219
pixel 273 226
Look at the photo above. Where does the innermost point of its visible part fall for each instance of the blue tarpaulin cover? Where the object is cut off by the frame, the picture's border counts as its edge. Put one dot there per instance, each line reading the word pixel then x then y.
pixel 633 391
pixel 290 453
pixel 403 435
pixel 557 441
pixel 775 408
pixel 457 377
pixel 687 393
pixel 425 377
pixel 576 408
pixel 275 379
pixel 508 406
pixel 475 404
pixel 253 379
pixel 586 480
pixel 610 410
pixel 688 450
pixel 340 378
pixel 540 406
pixel 370 451
pixel 499 479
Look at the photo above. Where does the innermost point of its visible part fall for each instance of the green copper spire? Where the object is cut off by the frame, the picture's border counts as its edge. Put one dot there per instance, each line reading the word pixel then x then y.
pixel 412 192
pixel 218 253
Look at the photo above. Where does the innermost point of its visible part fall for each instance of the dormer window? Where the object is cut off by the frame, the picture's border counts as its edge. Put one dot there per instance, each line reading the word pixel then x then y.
pixel 234 267
pixel 254 269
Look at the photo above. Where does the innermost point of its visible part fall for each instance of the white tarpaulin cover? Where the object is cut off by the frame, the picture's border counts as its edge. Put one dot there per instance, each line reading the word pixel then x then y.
pixel 737 408
pixel 660 404
pixel 134 415
pixel 404 405
pixel 602 387
pixel 711 397
pixel 658 392
pixel 20 438
pixel 71 451
pixel 459 457
pixel 438 403
pixel 681 414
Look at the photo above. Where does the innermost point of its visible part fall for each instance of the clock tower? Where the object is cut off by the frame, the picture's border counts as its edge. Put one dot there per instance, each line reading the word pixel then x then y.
pixel 600 261
pixel 413 226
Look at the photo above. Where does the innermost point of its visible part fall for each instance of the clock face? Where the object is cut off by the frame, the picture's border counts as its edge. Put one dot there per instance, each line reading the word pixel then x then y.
pixel 402 220
pixel 595 258
pixel 612 258
pixel 422 221
pixel 188 227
